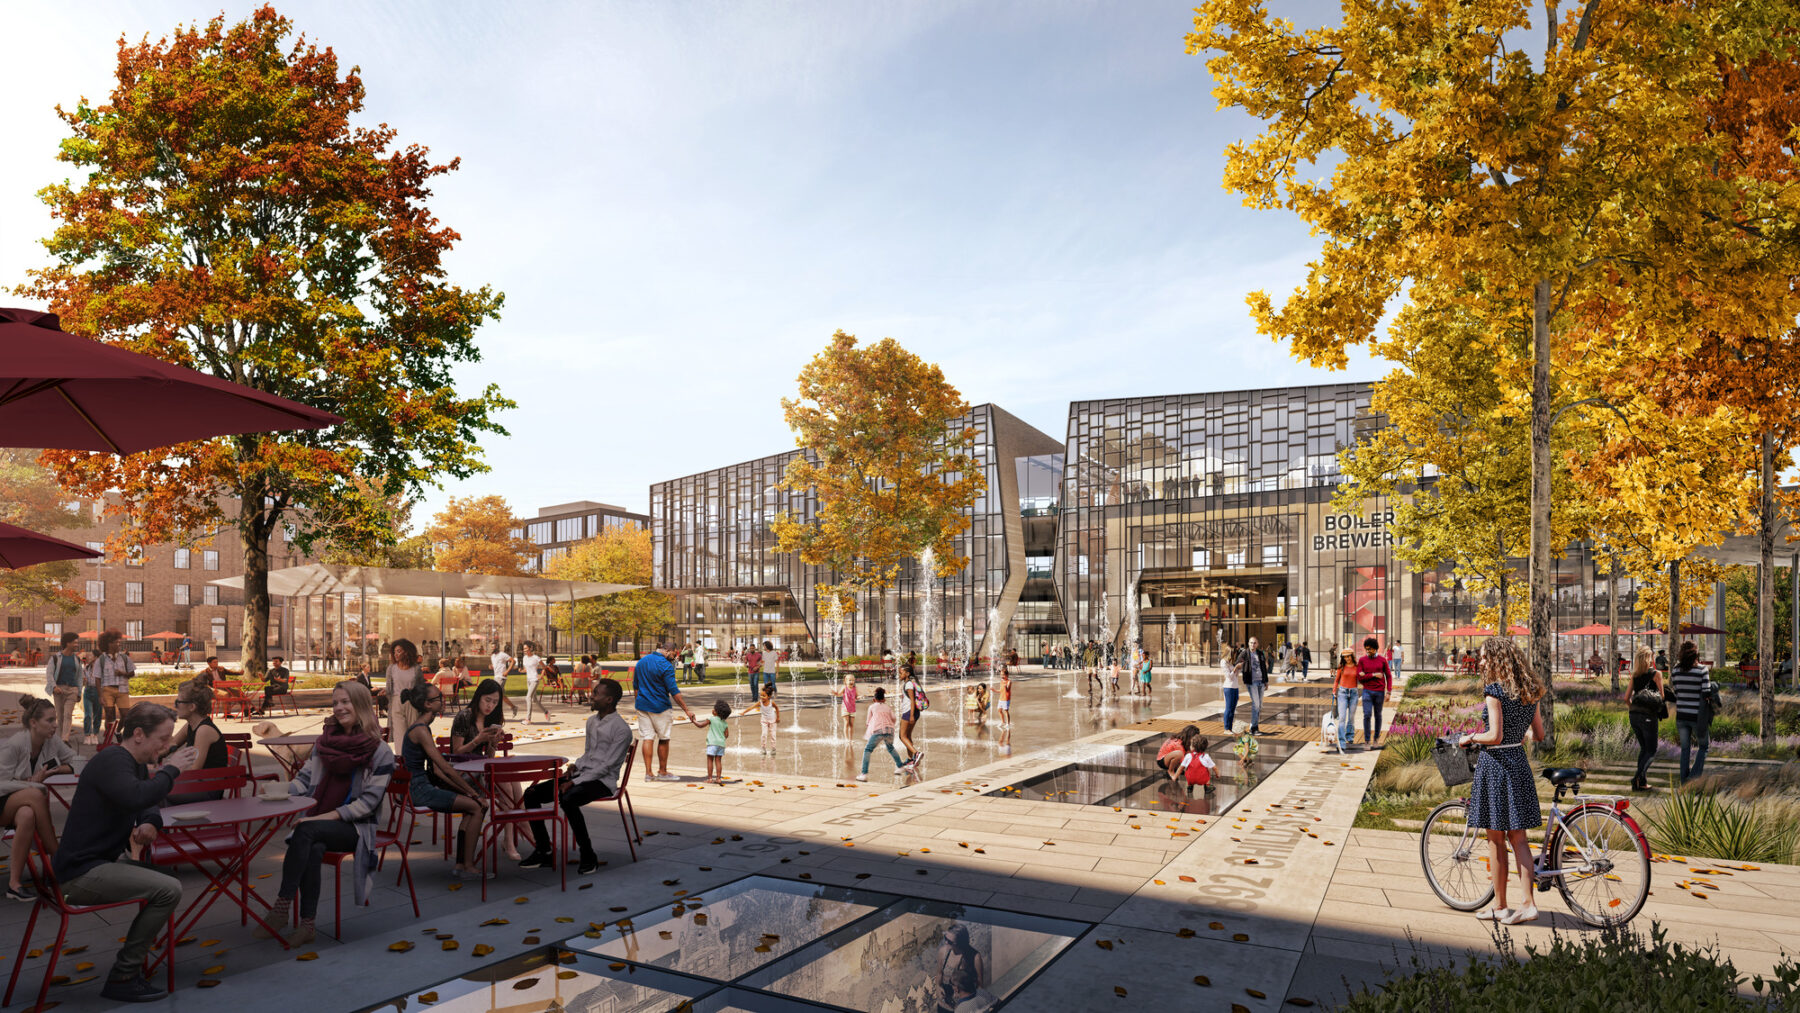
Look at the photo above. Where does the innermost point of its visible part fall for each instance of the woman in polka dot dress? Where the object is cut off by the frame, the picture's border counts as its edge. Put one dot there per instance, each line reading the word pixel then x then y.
pixel 1503 798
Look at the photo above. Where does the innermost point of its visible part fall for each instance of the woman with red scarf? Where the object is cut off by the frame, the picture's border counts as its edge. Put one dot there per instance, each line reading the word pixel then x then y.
pixel 346 777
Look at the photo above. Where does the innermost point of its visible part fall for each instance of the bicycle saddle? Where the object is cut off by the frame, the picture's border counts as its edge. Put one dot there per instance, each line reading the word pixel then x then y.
pixel 1560 776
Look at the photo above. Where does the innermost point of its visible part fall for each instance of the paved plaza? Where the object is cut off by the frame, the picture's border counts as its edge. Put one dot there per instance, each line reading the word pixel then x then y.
pixel 816 887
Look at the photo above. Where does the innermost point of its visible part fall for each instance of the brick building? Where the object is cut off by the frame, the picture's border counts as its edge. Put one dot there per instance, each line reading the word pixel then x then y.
pixel 165 588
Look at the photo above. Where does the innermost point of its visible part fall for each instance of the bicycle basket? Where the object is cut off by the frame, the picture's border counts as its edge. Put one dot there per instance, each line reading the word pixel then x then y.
pixel 1454 763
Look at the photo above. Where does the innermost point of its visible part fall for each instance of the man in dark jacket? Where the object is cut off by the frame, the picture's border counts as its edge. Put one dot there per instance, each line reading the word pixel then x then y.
pixel 1256 678
pixel 115 806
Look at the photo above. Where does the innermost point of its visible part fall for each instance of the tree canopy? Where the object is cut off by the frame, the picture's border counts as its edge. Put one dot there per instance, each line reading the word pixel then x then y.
pixel 228 214
pixel 891 474
pixel 620 555
pixel 474 534
pixel 34 501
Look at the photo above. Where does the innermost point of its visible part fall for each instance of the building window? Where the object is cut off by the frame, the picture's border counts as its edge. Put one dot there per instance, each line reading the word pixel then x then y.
pixel 134 556
pixel 96 590
pixel 209 559
pixel 134 629
pixel 218 632
pixel 1202 559
pixel 1234 560
pixel 53 630
pixel 538 533
pixel 554 554
pixel 274 633
pixel 14 624
pixel 209 594
pixel 181 594
pixel 569 529
pixel 99 547
pixel 134 594
pixel 1274 555
pixel 184 559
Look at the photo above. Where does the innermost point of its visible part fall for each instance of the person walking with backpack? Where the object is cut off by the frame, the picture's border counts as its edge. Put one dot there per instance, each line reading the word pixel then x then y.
pixel 1695 701
pixel 913 703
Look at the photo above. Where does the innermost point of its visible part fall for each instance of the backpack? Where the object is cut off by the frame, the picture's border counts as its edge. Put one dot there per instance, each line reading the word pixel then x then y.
pixel 921 702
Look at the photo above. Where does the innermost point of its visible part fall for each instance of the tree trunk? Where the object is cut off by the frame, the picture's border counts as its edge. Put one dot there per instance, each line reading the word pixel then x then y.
pixel 878 598
pixel 1612 620
pixel 1765 591
pixel 1672 629
pixel 254 524
pixel 1540 503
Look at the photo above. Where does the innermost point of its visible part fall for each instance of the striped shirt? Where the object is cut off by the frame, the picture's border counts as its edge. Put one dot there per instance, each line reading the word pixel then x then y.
pixel 1689 685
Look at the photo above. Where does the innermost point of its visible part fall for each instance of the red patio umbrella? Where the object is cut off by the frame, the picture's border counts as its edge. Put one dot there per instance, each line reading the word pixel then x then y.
pixel 165 635
pixel 1699 630
pixel 67 392
pixel 1470 631
pixel 1590 630
pixel 20 548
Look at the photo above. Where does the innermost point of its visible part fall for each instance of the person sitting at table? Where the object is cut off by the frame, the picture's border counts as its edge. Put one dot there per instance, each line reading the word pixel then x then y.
pixel 477 731
pixel 115 805
pixel 193 705
pixel 213 672
pixel 346 776
pixel 26 759
pixel 275 683
pixel 419 755
pixel 594 774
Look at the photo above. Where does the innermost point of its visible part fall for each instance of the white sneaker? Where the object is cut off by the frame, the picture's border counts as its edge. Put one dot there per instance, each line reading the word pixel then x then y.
pixel 1495 914
pixel 1522 915
pixel 862 777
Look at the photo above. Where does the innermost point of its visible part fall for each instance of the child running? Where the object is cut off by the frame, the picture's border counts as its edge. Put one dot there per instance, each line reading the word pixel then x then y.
pixel 881 733
pixel 718 729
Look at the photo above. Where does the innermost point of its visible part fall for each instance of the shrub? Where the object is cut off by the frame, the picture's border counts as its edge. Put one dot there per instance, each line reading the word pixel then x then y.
pixel 1613 969
pixel 1412 778
pixel 1402 750
pixel 1700 822
pixel 1583 719
pixel 1419 680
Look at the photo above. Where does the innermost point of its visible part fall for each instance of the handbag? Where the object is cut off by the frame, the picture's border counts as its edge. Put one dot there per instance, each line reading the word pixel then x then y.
pixel 1649 701
pixel 1454 763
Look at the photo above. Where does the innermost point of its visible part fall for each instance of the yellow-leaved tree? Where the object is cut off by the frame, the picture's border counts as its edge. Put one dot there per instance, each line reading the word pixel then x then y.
pixel 475 534
pixel 891 474
pixel 620 555
pixel 1464 156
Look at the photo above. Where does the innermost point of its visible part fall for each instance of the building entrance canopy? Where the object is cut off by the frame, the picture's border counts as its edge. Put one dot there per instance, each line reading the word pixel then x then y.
pixel 334 578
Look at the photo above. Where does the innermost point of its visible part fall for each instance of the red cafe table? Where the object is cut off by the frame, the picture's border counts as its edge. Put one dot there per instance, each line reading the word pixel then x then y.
pixel 56 784
pixel 196 842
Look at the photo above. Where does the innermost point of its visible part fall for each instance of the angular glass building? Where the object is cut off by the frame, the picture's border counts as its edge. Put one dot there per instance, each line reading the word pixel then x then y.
pixel 1190 520
pixel 1204 519
pixel 715 550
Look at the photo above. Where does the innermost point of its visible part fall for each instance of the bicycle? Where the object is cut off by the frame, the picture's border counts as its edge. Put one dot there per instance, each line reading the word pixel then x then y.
pixel 1595 854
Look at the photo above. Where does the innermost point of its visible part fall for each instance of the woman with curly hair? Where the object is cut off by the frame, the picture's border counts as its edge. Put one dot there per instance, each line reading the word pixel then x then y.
pixel 1503 798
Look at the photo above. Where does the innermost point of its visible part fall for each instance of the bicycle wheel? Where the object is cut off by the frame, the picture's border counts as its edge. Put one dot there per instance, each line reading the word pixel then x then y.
pixel 1608 866
pixel 1448 849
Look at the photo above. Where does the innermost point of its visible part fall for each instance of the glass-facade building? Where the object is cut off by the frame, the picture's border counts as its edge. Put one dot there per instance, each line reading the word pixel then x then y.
pixel 1195 520
pixel 715 550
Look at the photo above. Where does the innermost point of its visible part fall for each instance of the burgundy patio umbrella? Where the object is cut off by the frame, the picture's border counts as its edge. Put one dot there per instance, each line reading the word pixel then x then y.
pixel 67 392
pixel 20 548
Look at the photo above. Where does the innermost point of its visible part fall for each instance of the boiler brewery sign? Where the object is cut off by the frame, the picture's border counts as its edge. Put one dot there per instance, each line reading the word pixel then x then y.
pixel 1354 531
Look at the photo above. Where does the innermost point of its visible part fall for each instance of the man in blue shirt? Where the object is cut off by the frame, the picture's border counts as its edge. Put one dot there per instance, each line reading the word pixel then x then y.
pixel 653 689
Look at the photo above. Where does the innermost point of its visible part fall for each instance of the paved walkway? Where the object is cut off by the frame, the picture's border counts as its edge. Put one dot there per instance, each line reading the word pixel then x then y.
pixel 1276 898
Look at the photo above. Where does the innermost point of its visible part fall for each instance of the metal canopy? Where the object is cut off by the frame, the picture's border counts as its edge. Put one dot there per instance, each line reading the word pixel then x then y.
pixel 334 578
pixel 1745 550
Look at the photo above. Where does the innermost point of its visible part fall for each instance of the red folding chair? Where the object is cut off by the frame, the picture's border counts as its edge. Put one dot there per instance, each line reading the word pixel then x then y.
pixel 240 744
pixel 213 844
pixel 398 792
pixel 502 815
pixel 50 896
pixel 406 804
pixel 231 696
pixel 623 797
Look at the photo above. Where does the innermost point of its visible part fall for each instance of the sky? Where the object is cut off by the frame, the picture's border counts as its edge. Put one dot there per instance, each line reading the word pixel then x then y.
pixel 682 201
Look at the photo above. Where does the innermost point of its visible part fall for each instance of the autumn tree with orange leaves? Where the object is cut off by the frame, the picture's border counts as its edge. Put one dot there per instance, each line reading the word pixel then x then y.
pixel 890 474
pixel 1515 162
pixel 476 534
pixel 227 214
